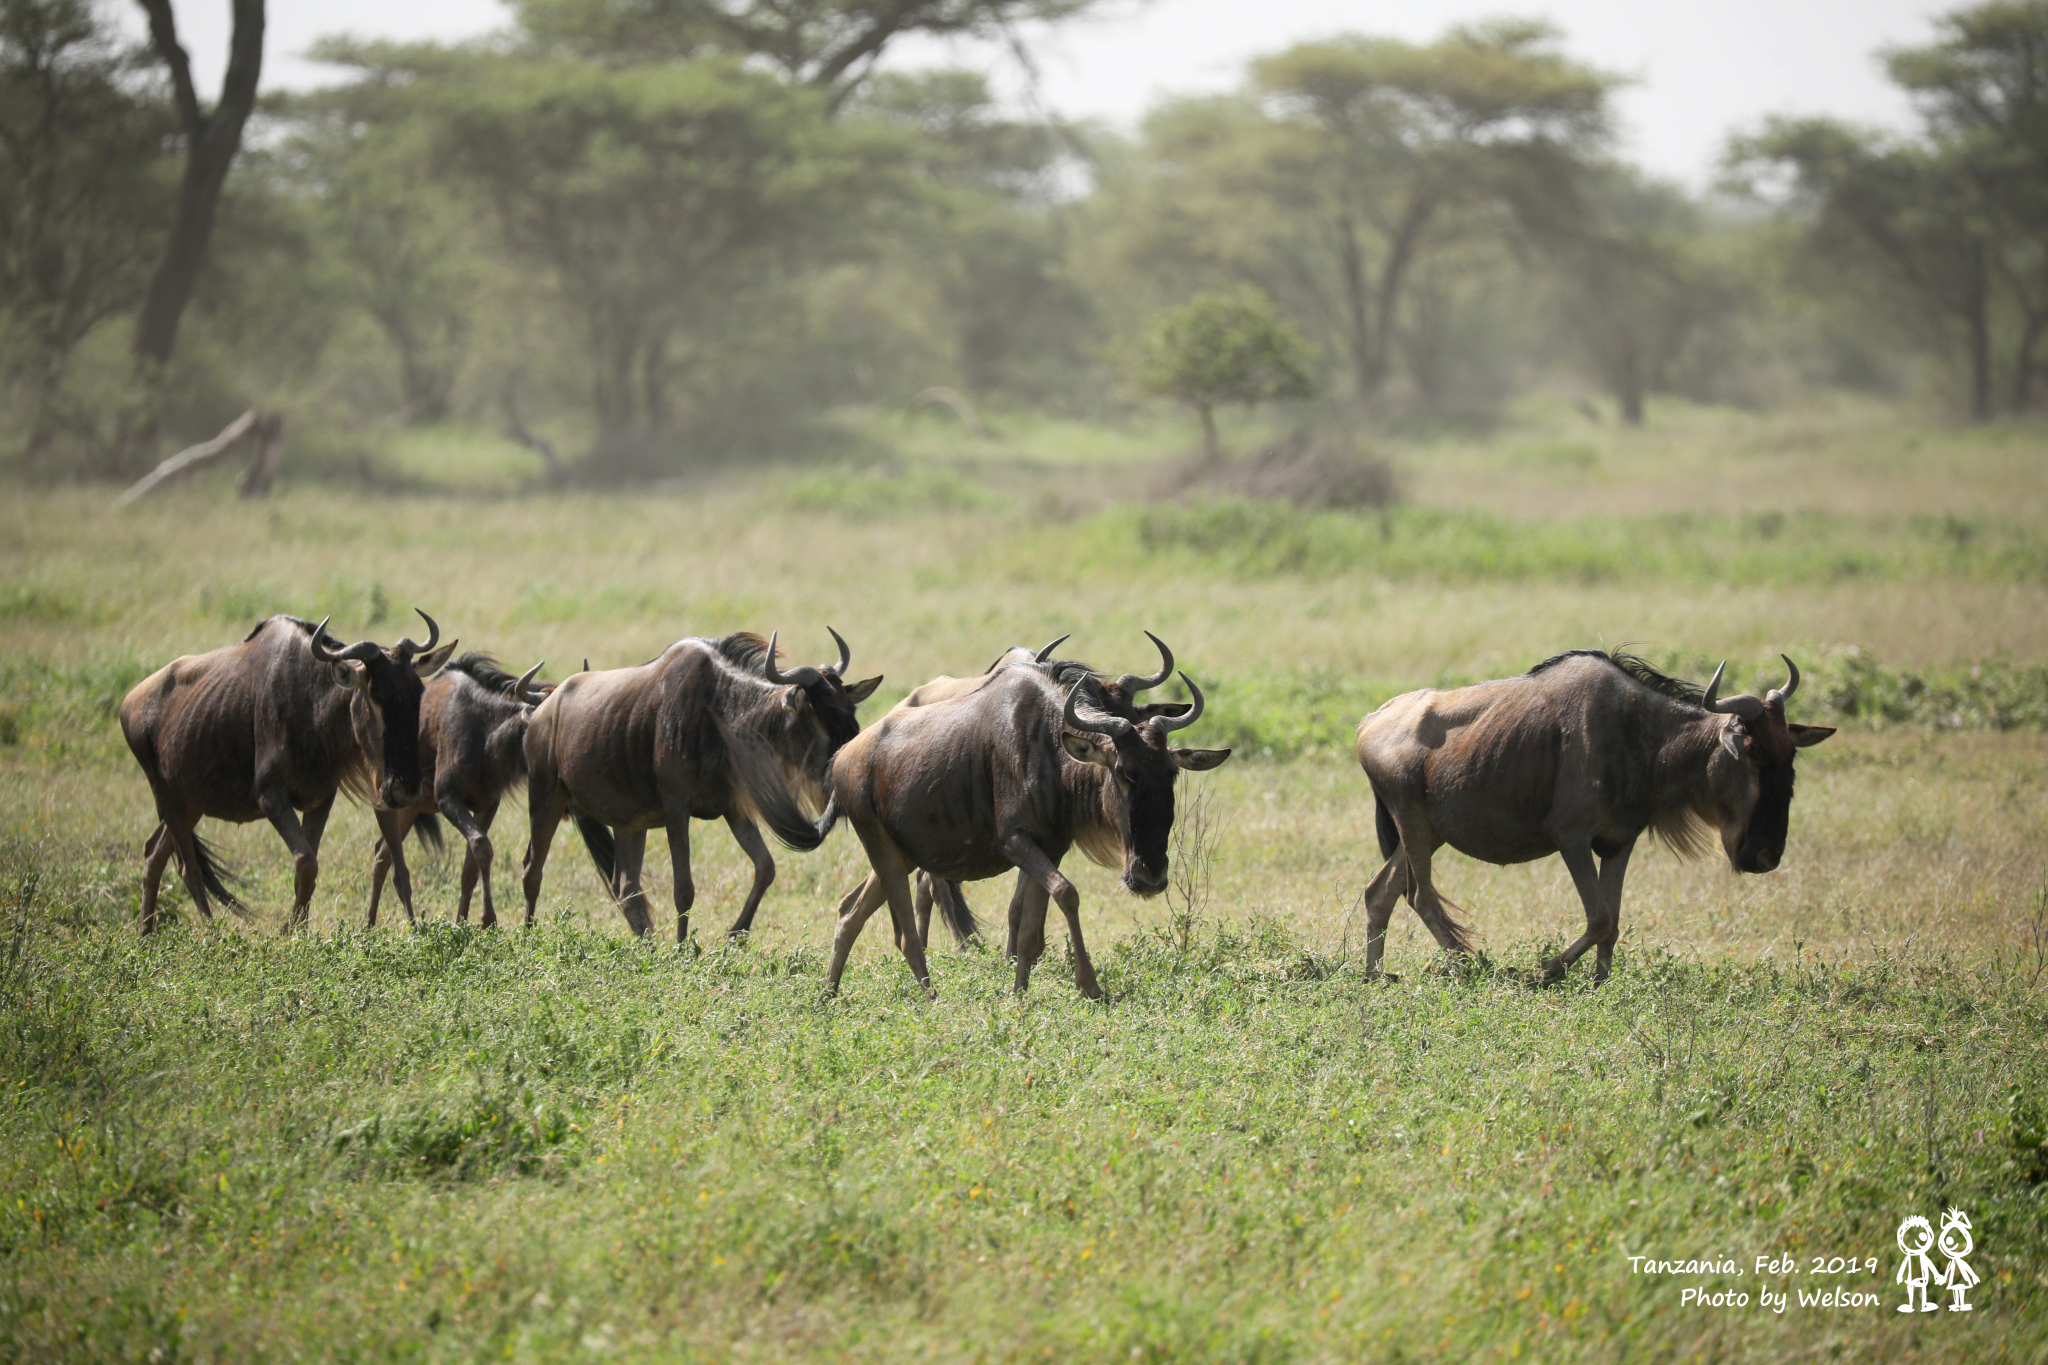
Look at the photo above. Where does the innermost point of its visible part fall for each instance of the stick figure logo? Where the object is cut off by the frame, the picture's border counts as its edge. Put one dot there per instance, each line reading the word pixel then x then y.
pixel 1955 1245
pixel 1915 1237
pixel 1917 1271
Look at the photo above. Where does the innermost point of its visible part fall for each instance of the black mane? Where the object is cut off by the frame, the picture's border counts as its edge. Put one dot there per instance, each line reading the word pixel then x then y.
pixel 1067 672
pixel 484 669
pixel 743 649
pixel 1636 667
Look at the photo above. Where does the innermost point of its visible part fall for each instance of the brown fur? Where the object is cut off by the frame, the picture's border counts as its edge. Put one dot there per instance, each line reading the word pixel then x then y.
pixel 1579 757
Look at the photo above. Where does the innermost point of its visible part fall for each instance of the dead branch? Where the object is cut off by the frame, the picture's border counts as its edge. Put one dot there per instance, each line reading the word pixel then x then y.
pixel 941 396
pixel 191 458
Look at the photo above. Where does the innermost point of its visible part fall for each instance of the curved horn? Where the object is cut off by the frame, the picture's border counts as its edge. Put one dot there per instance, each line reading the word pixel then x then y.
pixel 803 675
pixel 1113 726
pixel 1746 706
pixel 361 652
pixel 838 670
pixel 1166 725
pixel 1781 695
pixel 1046 653
pixel 406 648
pixel 525 681
pixel 325 656
pixel 1130 684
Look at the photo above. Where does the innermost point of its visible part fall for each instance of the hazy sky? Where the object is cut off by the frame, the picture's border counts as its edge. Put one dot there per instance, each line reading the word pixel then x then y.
pixel 1701 69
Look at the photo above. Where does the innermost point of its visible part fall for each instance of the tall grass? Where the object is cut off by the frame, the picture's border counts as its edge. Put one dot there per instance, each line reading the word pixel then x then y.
pixel 228 1143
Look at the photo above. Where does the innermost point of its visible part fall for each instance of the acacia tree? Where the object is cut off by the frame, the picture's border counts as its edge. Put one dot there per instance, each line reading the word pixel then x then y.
pixel 1905 208
pixel 829 45
pixel 80 201
pixel 1957 218
pixel 1224 348
pixel 1633 284
pixel 1984 90
pixel 1351 177
pixel 651 198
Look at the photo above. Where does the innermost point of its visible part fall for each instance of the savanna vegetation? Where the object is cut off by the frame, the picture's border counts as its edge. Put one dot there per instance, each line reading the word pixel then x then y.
pixel 1381 371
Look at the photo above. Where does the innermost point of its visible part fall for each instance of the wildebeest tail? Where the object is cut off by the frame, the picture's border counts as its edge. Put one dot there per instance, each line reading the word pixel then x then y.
pixel 604 850
pixel 1390 833
pixel 959 917
pixel 217 877
pixel 427 829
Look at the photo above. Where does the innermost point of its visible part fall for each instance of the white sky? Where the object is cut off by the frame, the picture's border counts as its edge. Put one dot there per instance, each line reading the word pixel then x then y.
pixel 1702 69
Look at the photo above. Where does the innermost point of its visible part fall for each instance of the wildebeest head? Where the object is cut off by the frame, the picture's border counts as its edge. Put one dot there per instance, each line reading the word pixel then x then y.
pixel 823 698
pixel 1750 774
pixel 385 708
pixel 1143 764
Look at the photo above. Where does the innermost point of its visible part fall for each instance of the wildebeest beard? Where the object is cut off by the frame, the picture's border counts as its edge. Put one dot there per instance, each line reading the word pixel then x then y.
pixel 1763 843
pixel 396 690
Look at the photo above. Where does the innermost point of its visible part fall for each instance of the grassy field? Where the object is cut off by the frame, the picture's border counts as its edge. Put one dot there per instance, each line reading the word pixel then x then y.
pixel 226 1144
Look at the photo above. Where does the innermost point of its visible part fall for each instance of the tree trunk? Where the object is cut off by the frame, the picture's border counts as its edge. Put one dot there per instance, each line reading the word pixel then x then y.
pixel 1627 374
pixel 1211 446
pixel 211 142
pixel 2023 361
pixel 1977 316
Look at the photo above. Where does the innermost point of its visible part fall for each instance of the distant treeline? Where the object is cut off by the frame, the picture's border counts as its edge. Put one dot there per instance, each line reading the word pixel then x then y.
pixel 668 233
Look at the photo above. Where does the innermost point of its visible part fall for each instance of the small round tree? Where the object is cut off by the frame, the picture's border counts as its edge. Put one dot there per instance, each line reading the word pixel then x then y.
pixel 1225 348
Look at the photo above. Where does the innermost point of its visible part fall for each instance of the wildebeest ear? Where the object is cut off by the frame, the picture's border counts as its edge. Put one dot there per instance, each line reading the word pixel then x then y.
pixel 1096 749
pixel 1165 708
pixel 348 673
pixel 865 688
pixel 1806 736
pixel 794 700
pixel 427 665
pixel 1199 760
pixel 1735 739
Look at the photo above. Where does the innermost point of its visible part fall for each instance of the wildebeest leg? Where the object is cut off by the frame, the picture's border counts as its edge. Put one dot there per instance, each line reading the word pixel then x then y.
pixel 1601 894
pixel 544 812
pixel 155 854
pixel 390 853
pixel 1578 860
pixel 747 835
pixel 1613 868
pixel 471 872
pixel 1030 905
pixel 1422 894
pixel 1017 895
pixel 925 895
pixel 1084 968
pixel 476 858
pixel 299 838
pixel 1382 894
pixel 632 853
pixel 854 910
pixel 895 879
pixel 679 866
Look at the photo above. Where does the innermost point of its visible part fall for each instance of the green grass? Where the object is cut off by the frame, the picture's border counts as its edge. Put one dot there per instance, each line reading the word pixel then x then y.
pixel 471 1145
pixel 229 1144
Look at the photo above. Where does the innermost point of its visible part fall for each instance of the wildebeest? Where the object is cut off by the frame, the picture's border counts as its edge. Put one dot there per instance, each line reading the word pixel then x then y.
pixel 1012 773
pixel 266 729
pixel 473 718
pixel 711 729
pixel 1119 698
pixel 1576 757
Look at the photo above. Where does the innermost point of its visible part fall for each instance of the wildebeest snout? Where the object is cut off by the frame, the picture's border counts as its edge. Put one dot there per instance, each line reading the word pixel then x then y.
pixel 1756 859
pixel 398 793
pixel 1141 878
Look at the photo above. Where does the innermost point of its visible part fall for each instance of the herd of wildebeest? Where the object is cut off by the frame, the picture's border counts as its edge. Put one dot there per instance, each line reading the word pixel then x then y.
pixel 966 778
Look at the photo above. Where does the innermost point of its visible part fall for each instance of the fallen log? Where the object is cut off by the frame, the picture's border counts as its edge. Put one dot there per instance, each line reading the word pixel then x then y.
pixel 191 458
